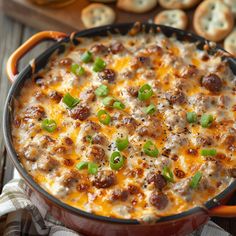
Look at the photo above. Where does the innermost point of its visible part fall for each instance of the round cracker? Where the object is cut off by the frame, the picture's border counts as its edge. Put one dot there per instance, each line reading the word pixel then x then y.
pixel 230 43
pixel 137 6
pixel 178 4
pixel 97 14
pixel 232 5
pixel 213 20
pixel 174 18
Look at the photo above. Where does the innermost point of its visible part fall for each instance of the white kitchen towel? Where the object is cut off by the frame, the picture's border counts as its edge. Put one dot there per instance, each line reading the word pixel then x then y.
pixel 18 216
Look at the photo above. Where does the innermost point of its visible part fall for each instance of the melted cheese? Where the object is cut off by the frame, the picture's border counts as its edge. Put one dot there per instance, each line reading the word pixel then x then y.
pixel 174 137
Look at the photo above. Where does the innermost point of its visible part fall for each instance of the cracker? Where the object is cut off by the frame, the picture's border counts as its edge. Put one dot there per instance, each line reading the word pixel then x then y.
pixel 174 18
pixel 137 6
pixel 178 4
pixel 230 43
pixel 97 14
pixel 213 20
pixel 232 5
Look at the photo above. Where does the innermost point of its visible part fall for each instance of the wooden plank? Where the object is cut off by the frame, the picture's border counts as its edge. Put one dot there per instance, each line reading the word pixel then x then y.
pixel 10 32
pixel 37 17
pixel 68 18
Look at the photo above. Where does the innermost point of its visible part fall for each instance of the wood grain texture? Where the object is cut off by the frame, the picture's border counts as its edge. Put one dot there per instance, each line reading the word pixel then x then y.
pixel 68 19
pixel 12 35
pixel 10 32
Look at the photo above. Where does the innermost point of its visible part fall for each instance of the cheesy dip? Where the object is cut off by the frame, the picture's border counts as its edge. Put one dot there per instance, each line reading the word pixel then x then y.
pixel 132 127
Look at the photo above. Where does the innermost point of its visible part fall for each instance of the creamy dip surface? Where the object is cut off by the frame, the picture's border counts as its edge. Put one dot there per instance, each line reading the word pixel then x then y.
pixel 129 127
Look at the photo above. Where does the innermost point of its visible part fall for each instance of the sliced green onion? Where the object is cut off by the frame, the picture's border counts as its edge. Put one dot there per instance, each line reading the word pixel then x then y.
pixel 108 101
pixel 77 70
pixel 150 149
pixel 122 144
pixel 102 91
pixel 87 57
pixel 195 180
pixel 49 125
pixel 206 120
pixel 111 102
pixel 92 168
pixel 104 117
pixel 99 65
pixel 150 109
pixel 116 161
pixel 208 152
pixel 119 105
pixel 82 165
pixel 168 174
pixel 191 117
pixel 145 92
pixel 89 139
pixel 70 101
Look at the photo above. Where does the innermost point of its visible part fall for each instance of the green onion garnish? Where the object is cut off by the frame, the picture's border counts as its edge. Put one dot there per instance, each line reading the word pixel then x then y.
pixel 89 139
pixel 102 91
pixel 92 168
pixel 104 117
pixel 99 65
pixel 118 105
pixel 191 117
pixel 206 120
pixel 116 161
pixel 108 101
pixel 150 149
pixel 112 102
pixel 49 125
pixel 77 70
pixel 195 180
pixel 82 165
pixel 208 152
pixel 70 101
pixel 87 57
pixel 150 109
pixel 168 174
pixel 145 92
pixel 122 144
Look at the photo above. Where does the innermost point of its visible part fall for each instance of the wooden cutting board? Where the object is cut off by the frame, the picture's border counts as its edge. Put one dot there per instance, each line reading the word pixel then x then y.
pixel 66 19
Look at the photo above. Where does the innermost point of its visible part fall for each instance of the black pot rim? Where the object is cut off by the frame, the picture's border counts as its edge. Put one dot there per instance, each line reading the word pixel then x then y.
pixel 29 180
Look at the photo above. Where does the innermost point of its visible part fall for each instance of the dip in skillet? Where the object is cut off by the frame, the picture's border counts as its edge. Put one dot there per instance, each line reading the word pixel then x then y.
pixel 129 126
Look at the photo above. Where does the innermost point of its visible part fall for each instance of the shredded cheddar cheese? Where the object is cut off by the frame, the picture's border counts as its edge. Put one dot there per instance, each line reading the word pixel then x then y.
pixel 160 149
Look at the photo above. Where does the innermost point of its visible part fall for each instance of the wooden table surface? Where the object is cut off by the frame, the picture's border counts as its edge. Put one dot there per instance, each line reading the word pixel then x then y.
pixel 13 34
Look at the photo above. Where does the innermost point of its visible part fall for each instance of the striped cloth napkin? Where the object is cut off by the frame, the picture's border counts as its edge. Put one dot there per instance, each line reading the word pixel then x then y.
pixel 18 216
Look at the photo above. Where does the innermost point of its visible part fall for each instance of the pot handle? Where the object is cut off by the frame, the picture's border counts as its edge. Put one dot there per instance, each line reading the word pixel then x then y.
pixel 12 63
pixel 223 211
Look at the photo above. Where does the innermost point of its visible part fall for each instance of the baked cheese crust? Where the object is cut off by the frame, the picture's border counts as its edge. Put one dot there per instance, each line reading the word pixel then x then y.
pixel 168 114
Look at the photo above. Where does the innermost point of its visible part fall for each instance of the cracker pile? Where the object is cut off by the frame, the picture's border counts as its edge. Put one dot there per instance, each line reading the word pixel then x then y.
pixel 213 19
